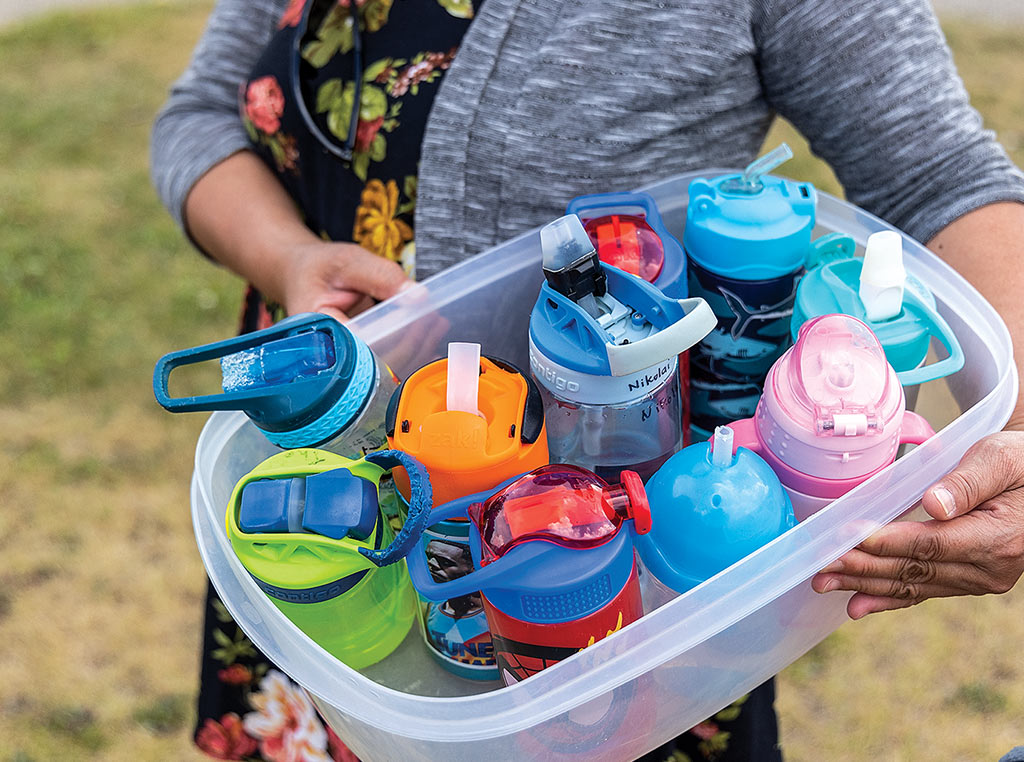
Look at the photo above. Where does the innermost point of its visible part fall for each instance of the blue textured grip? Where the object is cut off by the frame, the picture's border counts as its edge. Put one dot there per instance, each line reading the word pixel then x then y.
pixel 421 500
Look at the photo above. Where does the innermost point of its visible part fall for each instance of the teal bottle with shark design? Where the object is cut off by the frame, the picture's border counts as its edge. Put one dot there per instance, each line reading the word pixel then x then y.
pixel 746 239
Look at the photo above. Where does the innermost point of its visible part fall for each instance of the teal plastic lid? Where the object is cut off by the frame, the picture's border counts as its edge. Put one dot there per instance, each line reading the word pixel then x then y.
pixel 750 226
pixel 831 285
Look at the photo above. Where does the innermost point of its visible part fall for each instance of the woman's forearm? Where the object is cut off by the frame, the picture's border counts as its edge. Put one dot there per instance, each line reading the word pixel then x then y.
pixel 985 246
pixel 242 217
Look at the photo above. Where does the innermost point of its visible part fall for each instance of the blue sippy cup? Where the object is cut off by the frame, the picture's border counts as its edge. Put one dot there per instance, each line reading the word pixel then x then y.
pixel 877 289
pixel 710 507
pixel 307 381
pixel 746 239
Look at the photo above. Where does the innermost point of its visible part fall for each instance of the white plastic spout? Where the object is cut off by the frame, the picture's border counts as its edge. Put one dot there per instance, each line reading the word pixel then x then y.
pixel 563 242
pixel 721 447
pixel 462 392
pixel 883 276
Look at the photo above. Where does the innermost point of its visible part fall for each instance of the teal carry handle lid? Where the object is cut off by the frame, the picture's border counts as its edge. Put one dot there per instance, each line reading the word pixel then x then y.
pixel 307 376
pixel 421 501
pixel 831 285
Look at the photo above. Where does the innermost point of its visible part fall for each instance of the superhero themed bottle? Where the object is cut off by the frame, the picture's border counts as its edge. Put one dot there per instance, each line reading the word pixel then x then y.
pixel 474 422
pixel 307 526
pixel 604 348
pixel 746 238
pixel 305 382
pixel 878 290
pixel 832 414
pixel 555 572
pixel 710 507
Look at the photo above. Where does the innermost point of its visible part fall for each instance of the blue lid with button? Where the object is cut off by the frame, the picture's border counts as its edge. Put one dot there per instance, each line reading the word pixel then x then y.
pixel 334 504
pixel 301 381
pixel 832 285
pixel 750 226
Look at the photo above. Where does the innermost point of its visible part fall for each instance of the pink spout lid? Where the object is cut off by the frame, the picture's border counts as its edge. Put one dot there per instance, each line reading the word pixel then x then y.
pixel 839 379
pixel 833 407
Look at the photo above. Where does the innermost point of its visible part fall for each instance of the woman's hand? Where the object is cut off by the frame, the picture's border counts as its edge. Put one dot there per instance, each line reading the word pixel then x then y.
pixel 339 279
pixel 974 545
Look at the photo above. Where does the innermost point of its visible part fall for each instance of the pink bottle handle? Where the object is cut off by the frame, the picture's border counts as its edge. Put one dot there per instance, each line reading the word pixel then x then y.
pixel 915 429
pixel 745 435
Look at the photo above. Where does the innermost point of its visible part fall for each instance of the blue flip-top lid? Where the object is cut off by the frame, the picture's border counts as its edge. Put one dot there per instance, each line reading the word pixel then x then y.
pixel 706 517
pixel 832 284
pixel 300 381
pixel 334 504
pixel 750 225
pixel 596 319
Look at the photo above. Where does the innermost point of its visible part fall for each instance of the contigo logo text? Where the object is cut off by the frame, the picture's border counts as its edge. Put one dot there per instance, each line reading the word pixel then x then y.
pixel 550 377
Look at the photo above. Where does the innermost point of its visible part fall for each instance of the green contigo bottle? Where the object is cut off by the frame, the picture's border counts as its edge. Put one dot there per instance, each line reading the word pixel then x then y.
pixel 307 526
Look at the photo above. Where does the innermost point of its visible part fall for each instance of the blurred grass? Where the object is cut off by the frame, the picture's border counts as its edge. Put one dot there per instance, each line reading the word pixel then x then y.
pixel 100 583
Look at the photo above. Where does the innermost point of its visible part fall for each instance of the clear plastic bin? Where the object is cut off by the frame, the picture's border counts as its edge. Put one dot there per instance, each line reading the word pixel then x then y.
pixel 679 664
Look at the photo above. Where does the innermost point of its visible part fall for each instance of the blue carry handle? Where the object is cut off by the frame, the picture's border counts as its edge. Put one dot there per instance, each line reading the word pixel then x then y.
pixel 248 399
pixel 941 330
pixel 422 579
pixel 421 501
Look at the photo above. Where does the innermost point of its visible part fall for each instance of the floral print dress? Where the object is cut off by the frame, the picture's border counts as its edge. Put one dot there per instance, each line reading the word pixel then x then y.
pixel 300 94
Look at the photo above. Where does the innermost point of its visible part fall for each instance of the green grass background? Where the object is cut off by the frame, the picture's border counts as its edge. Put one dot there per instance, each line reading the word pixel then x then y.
pixel 100 581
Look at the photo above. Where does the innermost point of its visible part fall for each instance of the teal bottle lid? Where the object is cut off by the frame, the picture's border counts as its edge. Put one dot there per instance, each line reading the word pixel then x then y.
pixel 832 285
pixel 750 226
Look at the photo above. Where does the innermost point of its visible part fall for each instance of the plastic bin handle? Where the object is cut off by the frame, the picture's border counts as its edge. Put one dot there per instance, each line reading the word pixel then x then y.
pixel 697 323
pixel 940 329
pixel 421 500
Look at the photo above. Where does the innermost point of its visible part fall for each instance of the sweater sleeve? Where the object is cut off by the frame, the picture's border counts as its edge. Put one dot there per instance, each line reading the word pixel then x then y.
pixel 199 125
pixel 872 85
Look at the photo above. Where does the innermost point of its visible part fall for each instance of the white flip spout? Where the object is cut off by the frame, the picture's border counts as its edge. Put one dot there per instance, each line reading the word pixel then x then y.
pixel 463 390
pixel 883 276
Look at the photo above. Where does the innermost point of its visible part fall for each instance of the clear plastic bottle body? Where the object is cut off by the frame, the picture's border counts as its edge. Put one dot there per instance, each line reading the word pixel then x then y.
pixel 638 435
pixel 365 433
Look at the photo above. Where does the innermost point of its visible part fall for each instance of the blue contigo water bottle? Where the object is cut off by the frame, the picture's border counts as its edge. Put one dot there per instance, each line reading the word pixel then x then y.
pixel 746 239
pixel 307 381
pixel 604 348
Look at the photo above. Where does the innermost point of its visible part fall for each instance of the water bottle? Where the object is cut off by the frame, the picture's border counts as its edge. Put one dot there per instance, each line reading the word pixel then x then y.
pixel 307 526
pixel 604 348
pixel 307 381
pixel 555 572
pixel 878 290
pixel 473 422
pixel 711 506
pixel 746 239
pixel 833 413
pixel 629 233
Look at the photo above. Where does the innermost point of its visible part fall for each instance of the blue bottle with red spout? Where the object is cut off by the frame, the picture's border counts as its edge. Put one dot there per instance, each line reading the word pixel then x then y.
pixel 555 571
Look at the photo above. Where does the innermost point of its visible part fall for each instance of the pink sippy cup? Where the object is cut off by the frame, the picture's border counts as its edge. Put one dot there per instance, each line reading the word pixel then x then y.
pixel 832 413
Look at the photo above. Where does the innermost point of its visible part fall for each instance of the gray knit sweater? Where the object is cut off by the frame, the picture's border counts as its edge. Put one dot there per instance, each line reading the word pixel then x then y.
pixel 548 99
